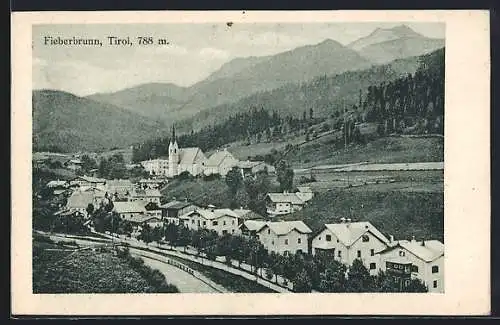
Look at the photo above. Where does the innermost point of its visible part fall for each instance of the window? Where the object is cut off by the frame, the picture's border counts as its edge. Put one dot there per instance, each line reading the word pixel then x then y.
pixel 338 241
pixel 204 223
pixel 214 223
pixel 414 268
pixel 407 283
pixel 328 237
pixel 224 232
pixel 272 243
pixel 359 254
pixel 319 238
pixel 192 221
pixel 435 284
pixel 365 238
pixel 224 223
pixel 373 266
pixel 435 269
pixel 372 252
pixel 401 253
pixel 340 253
pixel 299 241
pixel 268 231
pixel 286 241
pixel 233 222
pixel 232 231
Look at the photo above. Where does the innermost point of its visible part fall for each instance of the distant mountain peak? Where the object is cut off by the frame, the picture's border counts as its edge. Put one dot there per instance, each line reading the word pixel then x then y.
pixel 379 35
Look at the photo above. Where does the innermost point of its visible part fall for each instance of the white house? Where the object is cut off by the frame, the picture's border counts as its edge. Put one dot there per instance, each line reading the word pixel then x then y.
pixel 283 237
pixel 415 259
pixel 223 221
pixel 171 211
pixel 129 210
pixel 278 204
pixel 79 201
pixel 220 162
pixel 249 228
pixel 347 241
pixel 158 167
pixel 119 186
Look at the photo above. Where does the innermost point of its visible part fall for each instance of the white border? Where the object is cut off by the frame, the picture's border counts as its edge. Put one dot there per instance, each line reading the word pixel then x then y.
pixel 467 180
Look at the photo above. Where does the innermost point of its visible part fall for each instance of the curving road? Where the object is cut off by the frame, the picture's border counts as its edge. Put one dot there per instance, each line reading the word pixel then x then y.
pixel 185 282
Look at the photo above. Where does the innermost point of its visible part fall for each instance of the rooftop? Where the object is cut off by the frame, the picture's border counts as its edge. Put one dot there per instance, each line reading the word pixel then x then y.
pixel 176 205
pixel 350 232
pixel 285 197
pixel 285 227
pixel 129 207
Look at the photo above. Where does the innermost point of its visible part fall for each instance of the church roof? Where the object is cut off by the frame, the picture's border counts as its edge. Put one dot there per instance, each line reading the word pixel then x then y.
pixel 217 158
pixel 189 156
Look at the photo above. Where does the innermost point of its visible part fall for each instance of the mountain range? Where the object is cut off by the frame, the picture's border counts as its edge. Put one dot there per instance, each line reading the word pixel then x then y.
pixel 237 84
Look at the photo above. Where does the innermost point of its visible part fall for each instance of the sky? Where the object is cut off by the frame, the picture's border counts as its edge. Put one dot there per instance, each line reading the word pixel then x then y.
pixel 193 51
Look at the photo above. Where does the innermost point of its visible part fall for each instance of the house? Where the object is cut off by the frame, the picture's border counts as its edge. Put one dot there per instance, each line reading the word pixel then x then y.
pixel 220 162
pixel 246 214
pixel 249 228
pixel 347 241
pixel 146 195
pixel 121 187
pixel 171 211
pixel 304 193
pixel 283 203
pixel 284 237
pixel 87 181
pixel 423 259
pixel 223 221
pixel 129 210
pixel 79 201
pixel 253 167
pixel 157 167
pixel 73 164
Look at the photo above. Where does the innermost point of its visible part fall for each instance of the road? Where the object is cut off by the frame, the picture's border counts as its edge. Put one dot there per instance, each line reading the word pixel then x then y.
pixel 185 282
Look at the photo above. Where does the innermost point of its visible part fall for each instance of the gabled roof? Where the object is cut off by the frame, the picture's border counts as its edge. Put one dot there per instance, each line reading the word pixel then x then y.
pixel 284 227
pixel 79 200
pixel 247 214
pixel 129 207
pixel 57 183
pixel 119 183
pixel 285 197
pixel 248 164
pixel 304 189
pixel 428 252
pixel 175 205
pixel 349 232
pixel 218 157
pixel 210 214
pixel 254 225
pixel 190 156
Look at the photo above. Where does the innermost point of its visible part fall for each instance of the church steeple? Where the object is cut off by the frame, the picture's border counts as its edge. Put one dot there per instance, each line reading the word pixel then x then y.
pixel 173 139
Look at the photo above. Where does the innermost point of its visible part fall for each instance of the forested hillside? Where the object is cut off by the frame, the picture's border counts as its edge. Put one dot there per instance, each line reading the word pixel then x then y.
pixel 407 103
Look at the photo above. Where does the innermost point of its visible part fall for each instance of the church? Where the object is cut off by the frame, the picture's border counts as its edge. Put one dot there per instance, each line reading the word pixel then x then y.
pixel 191 160
pixel 180 160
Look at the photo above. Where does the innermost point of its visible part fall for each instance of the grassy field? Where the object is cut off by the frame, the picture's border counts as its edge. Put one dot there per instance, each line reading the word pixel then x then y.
pixel 328 150
pixel 198 191
pixel 394 212
pixel 84 271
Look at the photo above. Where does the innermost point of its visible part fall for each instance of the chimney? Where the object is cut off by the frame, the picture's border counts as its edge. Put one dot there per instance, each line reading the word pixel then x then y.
pixel 391 239
pixel 413 239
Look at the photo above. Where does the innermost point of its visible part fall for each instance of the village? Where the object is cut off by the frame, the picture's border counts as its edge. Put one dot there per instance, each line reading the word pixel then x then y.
pixel 140 211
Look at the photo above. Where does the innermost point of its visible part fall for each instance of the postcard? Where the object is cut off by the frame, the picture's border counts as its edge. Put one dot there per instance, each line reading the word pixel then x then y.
pixel 250 163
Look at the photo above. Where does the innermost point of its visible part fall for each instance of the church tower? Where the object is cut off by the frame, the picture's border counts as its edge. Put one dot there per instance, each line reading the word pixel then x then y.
pixel 173 155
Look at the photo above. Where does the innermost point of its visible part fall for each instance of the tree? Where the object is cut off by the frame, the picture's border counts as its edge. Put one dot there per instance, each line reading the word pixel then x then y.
pixel 302 282
pixel 146 234
pixel 359 279
pixel 234 180
pixel 284 175
pixel 333 278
